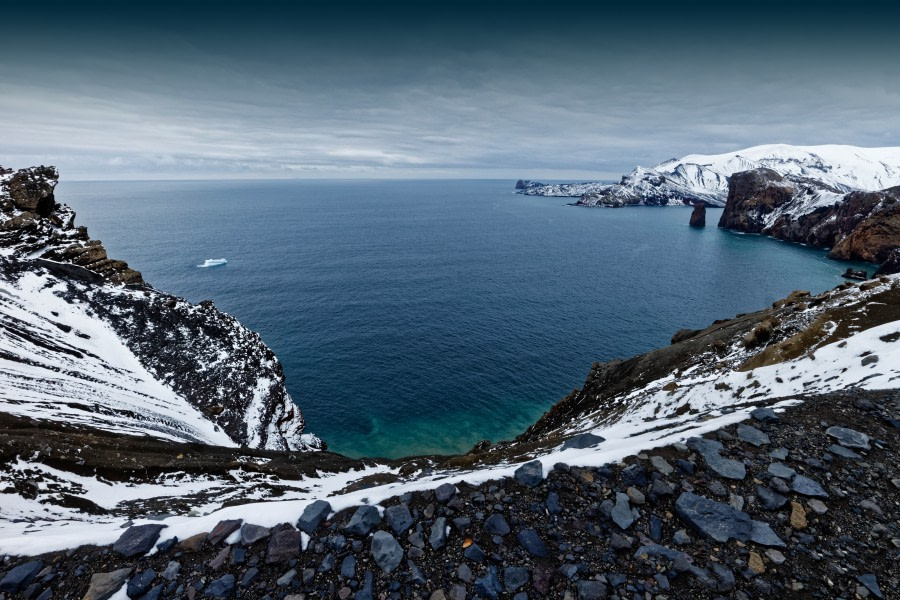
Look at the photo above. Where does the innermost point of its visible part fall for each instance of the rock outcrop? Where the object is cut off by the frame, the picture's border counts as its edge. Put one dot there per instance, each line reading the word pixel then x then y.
pixel 891 265
pixel 704 178
pixel 84 339
pixel 698 216
pixel 863 226
pixel 32 224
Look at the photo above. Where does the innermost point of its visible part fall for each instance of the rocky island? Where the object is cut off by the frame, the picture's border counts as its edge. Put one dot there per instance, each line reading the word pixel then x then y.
pixel 149 449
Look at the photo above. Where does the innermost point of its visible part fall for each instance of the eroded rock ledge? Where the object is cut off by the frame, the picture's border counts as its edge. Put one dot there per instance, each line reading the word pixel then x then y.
pixel 863 226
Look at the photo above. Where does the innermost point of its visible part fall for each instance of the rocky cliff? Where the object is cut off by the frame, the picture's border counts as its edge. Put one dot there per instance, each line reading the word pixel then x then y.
pixel 83 339
pixel 860 225
pixel 704 178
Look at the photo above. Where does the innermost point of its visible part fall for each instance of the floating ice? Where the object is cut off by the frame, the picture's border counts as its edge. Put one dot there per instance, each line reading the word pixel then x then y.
pixel 213 262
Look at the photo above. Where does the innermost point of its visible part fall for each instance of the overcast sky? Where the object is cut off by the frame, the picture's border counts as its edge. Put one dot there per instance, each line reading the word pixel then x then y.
pixel 461 90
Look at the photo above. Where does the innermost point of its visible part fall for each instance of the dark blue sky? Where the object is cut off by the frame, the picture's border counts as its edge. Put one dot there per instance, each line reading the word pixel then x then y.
pixel 504 89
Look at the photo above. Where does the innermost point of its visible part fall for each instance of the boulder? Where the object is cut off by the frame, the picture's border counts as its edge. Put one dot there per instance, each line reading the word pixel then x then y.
pixel 891 265
pixel 715 520
pixel 386 551
pixel 530 474
pixel 398 518
pixel 104 585
pixel 19 577
pixel 313 514
pixel 363 520
pixel 283 546
pixel 137 540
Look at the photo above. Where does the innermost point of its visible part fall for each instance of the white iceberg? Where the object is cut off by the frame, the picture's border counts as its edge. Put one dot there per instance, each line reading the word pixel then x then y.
pixel 213 262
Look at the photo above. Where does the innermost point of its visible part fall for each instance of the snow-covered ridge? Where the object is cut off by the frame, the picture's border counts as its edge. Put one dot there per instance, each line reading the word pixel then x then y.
pixel 77 346
pixel 704 178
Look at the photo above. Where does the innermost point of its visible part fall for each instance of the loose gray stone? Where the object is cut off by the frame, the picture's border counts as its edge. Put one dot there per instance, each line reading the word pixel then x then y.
pixel 661 465
pixel 817 506
pixel 386 551
pixel 552 503
pixel 779 453
pixel 681 538
pixel 221 587
pixel 752 435
pixel 171 572
pixel 763 535
pixel 768 499
pixel 438 537
pixel 716 520
pixel 19 577
pixel 475 553
pixel 781 470
pixel 104 585
pixel 849 438
pixel 365 593
pixel 489 585
pixel 140 584
pixel 591 590
pixel 348 567
pixel 496 525
pixel 286 579
pixel 530 474
pixel 250 534
pixel 582 441
pixel 313 514
pixel 806 486
pixel 711 450
pixel 534 545
pixel 871 582
pixel 515 577
pixel 843 452
pixel 621 512
pixel 764 415
pixel 775 556
pixel 464 572
pixel 398 518
pixel 363 520
pixel 137 540
pixel 658 550
pixel 444 492
pixel 415 573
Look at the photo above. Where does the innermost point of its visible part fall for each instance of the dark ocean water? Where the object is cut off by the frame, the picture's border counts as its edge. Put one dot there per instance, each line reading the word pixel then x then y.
pixel 424 316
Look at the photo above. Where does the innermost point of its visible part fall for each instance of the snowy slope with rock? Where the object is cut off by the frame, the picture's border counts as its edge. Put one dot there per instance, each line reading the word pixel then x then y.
pixel 704 178
pixel 79 345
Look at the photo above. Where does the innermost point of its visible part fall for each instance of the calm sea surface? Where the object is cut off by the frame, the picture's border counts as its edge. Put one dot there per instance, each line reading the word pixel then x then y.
pixel 424 316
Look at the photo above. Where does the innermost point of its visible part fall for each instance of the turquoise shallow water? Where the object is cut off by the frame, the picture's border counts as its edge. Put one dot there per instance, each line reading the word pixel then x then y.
pixel 425 316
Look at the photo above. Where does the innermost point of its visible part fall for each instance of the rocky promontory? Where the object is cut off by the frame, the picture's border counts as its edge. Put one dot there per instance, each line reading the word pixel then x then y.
pixel 86 340
pixel 860 225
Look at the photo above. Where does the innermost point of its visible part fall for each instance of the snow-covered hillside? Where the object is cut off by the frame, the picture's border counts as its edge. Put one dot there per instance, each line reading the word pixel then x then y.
pixel 79 346
pixel 704 178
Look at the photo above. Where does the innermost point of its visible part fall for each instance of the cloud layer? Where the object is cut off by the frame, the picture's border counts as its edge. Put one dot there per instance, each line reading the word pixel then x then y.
pixel 461 90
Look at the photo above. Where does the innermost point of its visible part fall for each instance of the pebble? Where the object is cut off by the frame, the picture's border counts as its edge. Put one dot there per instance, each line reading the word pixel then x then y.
pixel 438 537
pixel 661 465
pixel 781 470
pixel 532 543
pixel 496 525
pixel 808 487
pixel 798 516
pixel 621 512
pixel 755 563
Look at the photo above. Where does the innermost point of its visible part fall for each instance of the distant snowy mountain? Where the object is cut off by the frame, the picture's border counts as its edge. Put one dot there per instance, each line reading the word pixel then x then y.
pixel 85 341
pixel 831 169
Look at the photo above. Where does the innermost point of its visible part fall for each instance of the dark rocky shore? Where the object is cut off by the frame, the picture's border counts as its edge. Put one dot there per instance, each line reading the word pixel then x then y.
pixel 798 505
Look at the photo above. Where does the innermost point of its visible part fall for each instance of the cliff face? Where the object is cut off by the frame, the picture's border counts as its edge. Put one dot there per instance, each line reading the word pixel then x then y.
pixel 858 225
pixel 85 340
pixel 705 178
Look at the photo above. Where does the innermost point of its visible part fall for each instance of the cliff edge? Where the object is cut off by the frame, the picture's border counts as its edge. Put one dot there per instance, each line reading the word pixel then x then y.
pixel 83 339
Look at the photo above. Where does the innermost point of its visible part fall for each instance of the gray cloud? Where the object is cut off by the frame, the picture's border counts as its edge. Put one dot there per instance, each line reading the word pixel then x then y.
pixel 564 98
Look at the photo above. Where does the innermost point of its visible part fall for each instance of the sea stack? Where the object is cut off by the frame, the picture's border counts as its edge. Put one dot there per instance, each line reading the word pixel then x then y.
pixel 698 217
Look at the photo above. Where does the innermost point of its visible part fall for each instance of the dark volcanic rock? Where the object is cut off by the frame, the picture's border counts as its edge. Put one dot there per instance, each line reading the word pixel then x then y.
pixel 530 474
pixel 363 520
pixel 698 216
pixel 751 196
pixel 718 521
pixel 222 530
pixel 386 551
pixel 283 546
pixel 583 440
pixel 19 577
pixel 313 514
pixel 711 450
pixel 849 438
pixel 137 540
pixel 532 543
pixel 398 518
